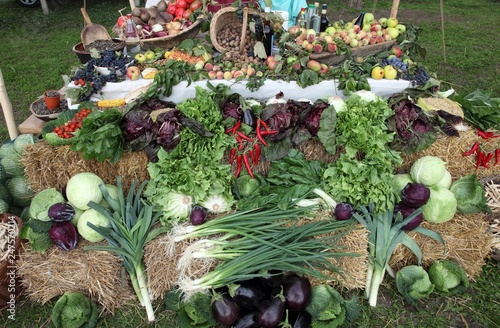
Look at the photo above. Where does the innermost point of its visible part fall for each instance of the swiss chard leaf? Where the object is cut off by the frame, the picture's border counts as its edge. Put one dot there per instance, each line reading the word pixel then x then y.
pixel 327 126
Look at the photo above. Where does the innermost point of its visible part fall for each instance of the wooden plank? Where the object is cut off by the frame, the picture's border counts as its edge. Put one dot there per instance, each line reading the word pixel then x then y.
pixel 7 109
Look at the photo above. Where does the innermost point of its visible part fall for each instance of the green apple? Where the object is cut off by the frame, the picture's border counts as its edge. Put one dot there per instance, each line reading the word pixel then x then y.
pixel 401 28
pixel 150 54
pixel 140 58
pixel 392 22
pixel 330 30
pixel 368 19
pixel 383 22
pixel 393 32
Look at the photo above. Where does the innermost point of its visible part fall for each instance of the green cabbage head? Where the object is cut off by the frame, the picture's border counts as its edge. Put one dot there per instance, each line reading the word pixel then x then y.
pixel 428 170
pixel 470 195
pixel 448 277
pixel 74 310
pixel 413 283
pixel 441 206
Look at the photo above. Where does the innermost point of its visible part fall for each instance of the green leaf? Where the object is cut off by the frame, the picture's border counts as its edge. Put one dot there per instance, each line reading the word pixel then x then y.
pixel 327 127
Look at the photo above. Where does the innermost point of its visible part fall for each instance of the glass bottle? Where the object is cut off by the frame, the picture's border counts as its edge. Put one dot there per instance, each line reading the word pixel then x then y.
pixel 309 14
pixel 324 21
pixel 268 38
pixel 359 20
pixel 301 19
pixel 130 30
pixel 315 19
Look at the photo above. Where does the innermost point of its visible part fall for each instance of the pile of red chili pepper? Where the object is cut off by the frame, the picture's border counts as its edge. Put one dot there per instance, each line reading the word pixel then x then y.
pixel 483 158
pixel 247 152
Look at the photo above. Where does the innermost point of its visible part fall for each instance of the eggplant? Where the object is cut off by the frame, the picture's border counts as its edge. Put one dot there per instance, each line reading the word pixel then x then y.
pixel 272 281
pixel 297 291
pixel 225 310
pixel 247 320
pixel 64 235
pixel 271 312
pixel 246 295
pixel 304 320
pixel 198 215
pixel 61 212
pixel 249 118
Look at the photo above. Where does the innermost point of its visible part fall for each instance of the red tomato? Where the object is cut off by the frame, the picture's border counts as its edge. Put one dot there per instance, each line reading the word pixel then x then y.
pixel 179 12
pixel 121 22
pixel 189 1
pixel 195 5
pixel 187 13
pixel 182 4
pixel 171 9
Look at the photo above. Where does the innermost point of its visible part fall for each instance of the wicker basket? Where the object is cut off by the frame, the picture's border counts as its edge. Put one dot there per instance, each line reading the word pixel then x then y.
pixel 169 41
pixel 10 288
pixel 227 17
pixel 333 59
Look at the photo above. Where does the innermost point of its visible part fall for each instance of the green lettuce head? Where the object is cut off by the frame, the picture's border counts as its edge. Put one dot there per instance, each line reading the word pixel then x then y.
pixel 448 277
pixel 413 283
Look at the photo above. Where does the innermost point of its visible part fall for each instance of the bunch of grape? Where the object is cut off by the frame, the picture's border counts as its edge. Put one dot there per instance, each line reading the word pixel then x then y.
pixel 114 61
pixel 397 63
pixel 239 12
pixel 259 27
pixel 419 77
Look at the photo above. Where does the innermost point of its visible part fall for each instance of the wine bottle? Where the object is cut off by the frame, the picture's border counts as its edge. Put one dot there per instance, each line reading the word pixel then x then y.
pixel 324 21
pixel 309 13
pixel 359 20
pixel 268 38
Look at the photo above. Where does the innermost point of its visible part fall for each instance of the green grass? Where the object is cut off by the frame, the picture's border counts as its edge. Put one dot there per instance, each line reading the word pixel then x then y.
pixel 35 50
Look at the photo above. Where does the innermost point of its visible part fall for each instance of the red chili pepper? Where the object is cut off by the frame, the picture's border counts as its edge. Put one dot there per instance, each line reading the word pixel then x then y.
pixel 247 165
pixel 256 147
pixel 473 149
pixel 236 127
pixel 487 159
pixel 270 132
pixel 244 136
pixel 252 155
pixel 240 143
pixel 232 155
pixel 239 158
pixel 264 124
pixel 479 160
pixel 229 131
pixel 484 134
pixel 497 157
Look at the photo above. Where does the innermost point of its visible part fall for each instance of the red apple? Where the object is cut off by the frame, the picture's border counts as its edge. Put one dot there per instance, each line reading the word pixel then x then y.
pixel 181 4
pixel 171 9
pixel 121 22
pixel 195 5
pixel 133 73
pixel 396 51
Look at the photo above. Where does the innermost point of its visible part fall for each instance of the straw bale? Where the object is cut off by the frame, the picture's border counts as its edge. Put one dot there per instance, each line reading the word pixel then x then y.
pixel 161 257
pixel 450 150
pixel 98 274
pixel 467 239
pixel 47 166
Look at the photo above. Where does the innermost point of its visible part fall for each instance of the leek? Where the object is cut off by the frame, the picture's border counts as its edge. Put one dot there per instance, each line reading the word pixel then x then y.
pixel 384 235
pixel 132 226
pixel 251 242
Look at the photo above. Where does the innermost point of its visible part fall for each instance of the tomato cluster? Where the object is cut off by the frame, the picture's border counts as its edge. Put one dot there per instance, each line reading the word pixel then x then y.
pixel 183 8
pixel 80 81
pixel 66 130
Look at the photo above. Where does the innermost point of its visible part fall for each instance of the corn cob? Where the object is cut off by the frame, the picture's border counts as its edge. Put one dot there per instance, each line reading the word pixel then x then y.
pixel 111 103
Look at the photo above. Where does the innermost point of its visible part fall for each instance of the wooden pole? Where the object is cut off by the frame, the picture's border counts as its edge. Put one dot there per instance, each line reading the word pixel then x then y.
pixel 442 31
pixel 132 4
pixel 45 7
pixel 394 9
pixel 7 109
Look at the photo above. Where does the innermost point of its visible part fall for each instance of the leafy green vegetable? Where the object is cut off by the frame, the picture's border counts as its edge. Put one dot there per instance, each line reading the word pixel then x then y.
pixel 100 136
pixel 195 312
pixel 194 166
pixel 363 172
pixel 39 241
pixel 470 195
pixel 74 310
pixel 448 277
pixel 326 132
pixel 413 283
pixel 481 110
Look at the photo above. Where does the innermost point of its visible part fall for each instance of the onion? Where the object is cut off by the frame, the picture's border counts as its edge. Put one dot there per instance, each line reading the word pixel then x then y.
pixel 198 215
pixel 160 34
pixel 343 211
pixel 64 235
pixel 61 212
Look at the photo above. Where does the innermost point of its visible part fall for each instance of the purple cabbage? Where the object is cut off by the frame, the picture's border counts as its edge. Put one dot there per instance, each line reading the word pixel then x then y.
pixel 231 109
pixel 170 128
pixel 64 235
pixel 61 212
pixel 137 123
pixel 312 119
pixel 406 211
pixel 415 194
pixel 343 211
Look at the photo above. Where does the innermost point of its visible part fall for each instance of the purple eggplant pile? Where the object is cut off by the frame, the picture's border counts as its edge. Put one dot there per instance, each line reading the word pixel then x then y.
pixel 265 302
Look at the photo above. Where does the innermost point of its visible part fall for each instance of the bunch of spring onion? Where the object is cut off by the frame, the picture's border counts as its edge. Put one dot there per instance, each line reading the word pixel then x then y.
pixel 385 233
pixel 253 243
pixel 132 226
